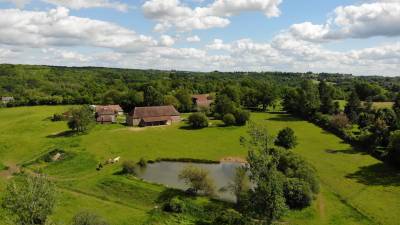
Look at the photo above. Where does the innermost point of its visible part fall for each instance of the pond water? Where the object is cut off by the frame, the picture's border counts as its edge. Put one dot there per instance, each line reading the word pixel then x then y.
pixel 166 173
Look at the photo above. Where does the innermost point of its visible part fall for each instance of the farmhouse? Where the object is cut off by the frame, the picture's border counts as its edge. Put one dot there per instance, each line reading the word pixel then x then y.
pixel 153 116
pixel 202 101
pixel 108 113
pixel 6 99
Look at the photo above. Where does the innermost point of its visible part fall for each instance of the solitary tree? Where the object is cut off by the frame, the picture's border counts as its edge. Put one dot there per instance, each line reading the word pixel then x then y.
pixel 81 119
pixel 286 138
pixel 198 120
pixel 198 179
pixel 30 200
pixel 326 92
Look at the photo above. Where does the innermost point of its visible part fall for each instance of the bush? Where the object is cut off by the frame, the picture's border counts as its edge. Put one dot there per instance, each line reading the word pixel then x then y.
pixel 87 218
pixel 242 116
pixel 298 193
pixel 198 120
pixel 58 117
pixel 229 119
pixel 175 205
pixel 229 217
pixel 286 139
pixel 129 167
pixel 340 122
pixel 142 163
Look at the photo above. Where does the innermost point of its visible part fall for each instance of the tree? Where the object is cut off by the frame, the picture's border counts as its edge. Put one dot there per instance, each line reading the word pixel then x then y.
pixel 241 117
pixel 30 200
pixel 298 193
pixel 198 120
pixel 394 147
pixel 229 119
pixel 396 105
pixel 268 94
pixel 267 198
pixel 286 138
pixel 185 99
pixel 88 218
pixel 132 99
pixel 223 105
pixel 309 102
pixel 152 97
pixel 353 107
pixel 81 119
pixel 326 92
pixel 198 179
pixel 241 184
pixel 171 100
pixel 340 121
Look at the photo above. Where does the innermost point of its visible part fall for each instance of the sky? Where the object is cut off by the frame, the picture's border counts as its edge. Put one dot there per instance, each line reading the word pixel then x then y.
pixel 361 37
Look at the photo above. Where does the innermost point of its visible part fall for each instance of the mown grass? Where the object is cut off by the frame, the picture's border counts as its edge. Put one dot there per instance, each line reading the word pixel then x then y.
pixel 376 105
pixel 356 188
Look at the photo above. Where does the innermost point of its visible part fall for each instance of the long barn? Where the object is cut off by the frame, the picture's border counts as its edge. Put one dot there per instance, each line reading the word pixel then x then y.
pixel 153 116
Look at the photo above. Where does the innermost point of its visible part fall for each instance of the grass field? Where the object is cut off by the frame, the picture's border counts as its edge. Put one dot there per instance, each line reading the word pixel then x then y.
pixel 356 188
pixel 376 105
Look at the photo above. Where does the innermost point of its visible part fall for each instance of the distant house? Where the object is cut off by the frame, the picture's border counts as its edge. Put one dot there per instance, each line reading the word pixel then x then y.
pixel 108 113
pixel 153 116
pixel 7 99
pixel 202 101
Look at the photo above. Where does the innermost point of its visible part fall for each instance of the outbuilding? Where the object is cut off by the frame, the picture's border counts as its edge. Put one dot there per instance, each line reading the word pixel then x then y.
pixel 153 116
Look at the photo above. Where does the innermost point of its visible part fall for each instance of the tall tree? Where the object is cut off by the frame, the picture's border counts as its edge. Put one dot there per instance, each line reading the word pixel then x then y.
pixel 326 93
pixel 81 119
pixel 353 107
pixel 152 97
pixel 309 102
pixel 267 198
pixel 185 99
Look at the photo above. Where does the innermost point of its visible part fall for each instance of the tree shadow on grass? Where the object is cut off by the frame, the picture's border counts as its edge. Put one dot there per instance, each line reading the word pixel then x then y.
pixel 378 174
pixel 285 118
pixel 170 193
pixel 68 133
pixel 350 151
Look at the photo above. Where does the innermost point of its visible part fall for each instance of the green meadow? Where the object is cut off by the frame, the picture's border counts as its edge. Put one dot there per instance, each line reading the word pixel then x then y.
pixel 356 188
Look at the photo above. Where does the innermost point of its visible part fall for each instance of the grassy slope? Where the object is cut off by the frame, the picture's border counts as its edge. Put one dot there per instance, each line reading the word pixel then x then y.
pixel 356 188
pixel 376 105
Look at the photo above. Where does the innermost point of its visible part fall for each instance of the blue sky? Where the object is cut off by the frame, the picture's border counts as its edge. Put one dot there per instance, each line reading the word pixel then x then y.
pixel 348 36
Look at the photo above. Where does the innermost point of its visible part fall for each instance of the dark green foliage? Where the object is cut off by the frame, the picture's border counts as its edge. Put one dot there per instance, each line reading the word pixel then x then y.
pixel 298 193
pixel 224 105
pixel 198 120
pixel 81 119
pixel 241 117
pixel 152 97
pixel 175 205
pixel 88 218
pixel 396 105
pixel 30 200
pixel 389 117
pixel 394 147
pixel 129 168
pixel 286 138
pixel 303 101
pixel 353 107
pixel 58 117
pixel 142 163
pixel 230 217
pixel 326 93
pixel 229 119
pixel 171 100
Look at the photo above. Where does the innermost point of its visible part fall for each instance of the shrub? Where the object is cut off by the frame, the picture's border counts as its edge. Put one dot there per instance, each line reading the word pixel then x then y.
pixel 198 120
pixel 340 122
pixel 286 139
pixel 88 218
pixel 298 193
pixel 394 147
pixel 229 217
pixel 142 162
pixel 175 205
pixel 129 167
pixel 229 119
pixel 57 117
pixel 198 179
pixel 242 116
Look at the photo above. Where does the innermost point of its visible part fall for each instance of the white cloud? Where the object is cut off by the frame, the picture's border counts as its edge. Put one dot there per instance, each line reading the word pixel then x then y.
pixel 81 4
pixel 57 28
pixel 194 38
pixel 381 18
pixel 166 40
pixel 218 44
pixel 173 13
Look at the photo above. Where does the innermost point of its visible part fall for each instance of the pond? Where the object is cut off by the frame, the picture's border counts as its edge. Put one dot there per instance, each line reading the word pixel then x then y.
pixel 166 173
